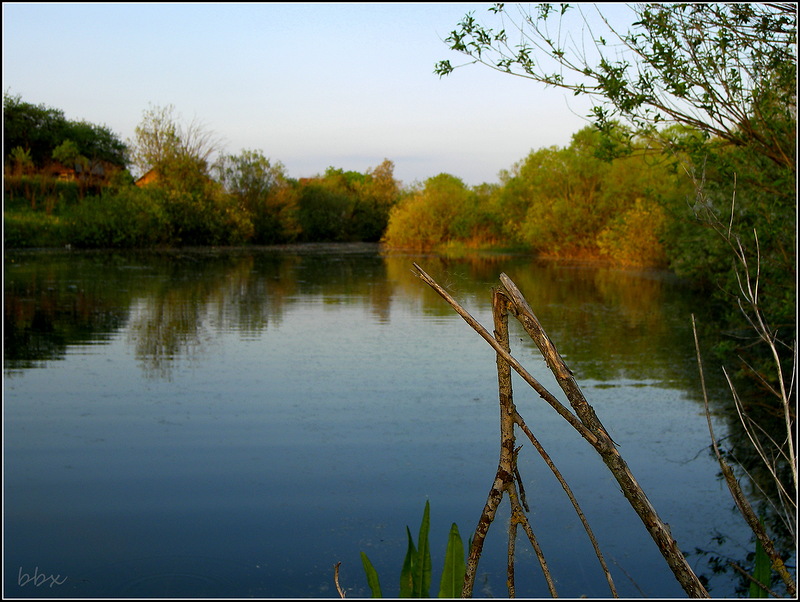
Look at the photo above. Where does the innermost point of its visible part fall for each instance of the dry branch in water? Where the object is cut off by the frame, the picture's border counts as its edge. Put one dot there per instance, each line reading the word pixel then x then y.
pixel 584 420
pixel 336 579
pixel 739 497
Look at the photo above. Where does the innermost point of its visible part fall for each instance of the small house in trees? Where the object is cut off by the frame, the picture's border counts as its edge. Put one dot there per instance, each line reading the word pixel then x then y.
pixel 150 177
pixel 98 172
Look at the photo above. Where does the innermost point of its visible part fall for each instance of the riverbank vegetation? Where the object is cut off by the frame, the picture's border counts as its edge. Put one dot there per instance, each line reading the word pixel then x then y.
pixel 713 89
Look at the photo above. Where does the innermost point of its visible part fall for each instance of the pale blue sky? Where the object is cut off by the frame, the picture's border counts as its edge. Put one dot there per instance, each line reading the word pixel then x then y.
pixel 309 85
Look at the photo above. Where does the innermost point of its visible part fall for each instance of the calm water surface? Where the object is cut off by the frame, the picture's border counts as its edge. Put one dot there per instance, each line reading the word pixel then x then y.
pixel 200 424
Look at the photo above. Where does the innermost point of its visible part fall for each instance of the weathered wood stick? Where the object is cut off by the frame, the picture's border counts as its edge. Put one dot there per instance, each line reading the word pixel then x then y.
pixel 588 425
pixel 513 362
pixel 564 377
pixel 605 446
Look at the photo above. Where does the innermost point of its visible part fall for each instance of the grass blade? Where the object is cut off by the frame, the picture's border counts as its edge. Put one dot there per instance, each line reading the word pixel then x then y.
pixel 454 566
pixel 422 568
pixel 406 575
pixel 762 572
pixel 372 577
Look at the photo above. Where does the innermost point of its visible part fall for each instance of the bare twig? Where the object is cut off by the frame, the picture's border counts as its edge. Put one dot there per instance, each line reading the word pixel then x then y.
pixel 739 498
pixel 507 474
pixel 754 580
pixel 604 445
pixel 514 363
pixel 336 579
pixel 565 486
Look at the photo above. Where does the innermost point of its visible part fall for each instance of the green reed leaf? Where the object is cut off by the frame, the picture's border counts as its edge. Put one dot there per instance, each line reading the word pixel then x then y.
pixel 372 577
pixel 454 566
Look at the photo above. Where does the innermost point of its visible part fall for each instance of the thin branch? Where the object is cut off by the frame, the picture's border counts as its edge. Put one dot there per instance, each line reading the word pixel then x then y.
pixel 754 580
pixel 736 492
pixel 565 486
pixel 526 376
pixel 336 579
pixel 518 516
pixel 605 446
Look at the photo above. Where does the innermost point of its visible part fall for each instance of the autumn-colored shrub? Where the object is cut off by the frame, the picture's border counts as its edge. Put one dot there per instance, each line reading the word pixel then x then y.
pixel 634 237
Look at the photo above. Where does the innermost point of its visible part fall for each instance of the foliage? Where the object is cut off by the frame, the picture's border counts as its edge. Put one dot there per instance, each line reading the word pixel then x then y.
pixel 712 86
pixel 180 152
pixel 373 580
pixel 67 153
pixel 634 237
pixel 572 203
pixel 20 161
pixel 558 202
pixel 39 129
pixel 454 566
pixel 346 205
pixel 32 229
pixel 415 576
pixel 565 211
pixel 97 143
pixel 131 218
pixel 36 192
pixel 430 216
pixel 762 573
pixel 204 218
pixel 323 211
pixel 707 66
pixel 261 190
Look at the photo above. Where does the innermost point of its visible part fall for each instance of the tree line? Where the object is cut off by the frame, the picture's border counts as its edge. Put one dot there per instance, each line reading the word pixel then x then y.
pixel 616 194
pixel 69 183
pixel 689 164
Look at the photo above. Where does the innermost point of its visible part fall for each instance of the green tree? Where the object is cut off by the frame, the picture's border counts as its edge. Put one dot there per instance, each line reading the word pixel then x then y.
pixel 198 209
pixel 97 143
pixel 35 128
pixel 726 72
pixel 325 207
pixel 40 129
pixel 68 154
pixel 262 190
pixel 377 194
pixel 180 152
pixel 429 216
pixel 20 161
pixel 344 205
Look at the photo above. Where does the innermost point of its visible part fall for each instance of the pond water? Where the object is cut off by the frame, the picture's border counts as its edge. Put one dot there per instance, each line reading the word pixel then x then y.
pixel 233 423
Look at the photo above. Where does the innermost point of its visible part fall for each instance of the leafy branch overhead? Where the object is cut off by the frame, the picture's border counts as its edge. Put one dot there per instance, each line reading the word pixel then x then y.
pixel 728 70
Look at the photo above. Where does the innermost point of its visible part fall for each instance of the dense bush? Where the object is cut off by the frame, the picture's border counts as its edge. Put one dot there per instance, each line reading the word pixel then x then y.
pixel 346 205
pixel 128 218
pixel 443 210
pixel 39 192
pixel 557 202
pixel 634 237
pixel 33 229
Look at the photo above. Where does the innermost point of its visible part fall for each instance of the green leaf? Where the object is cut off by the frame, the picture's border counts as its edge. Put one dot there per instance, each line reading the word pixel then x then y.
pixel 762 572
pixel 454 567
pixel 406 574
pixel 372 577
pixel 422 567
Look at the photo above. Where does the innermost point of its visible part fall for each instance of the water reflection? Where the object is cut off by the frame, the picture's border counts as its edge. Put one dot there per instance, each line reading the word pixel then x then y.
pixel 326 381
pixel 608 323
